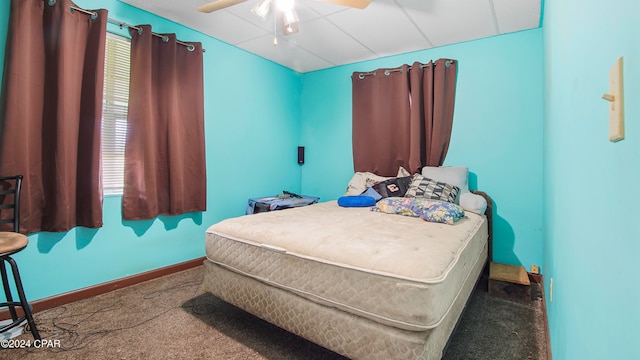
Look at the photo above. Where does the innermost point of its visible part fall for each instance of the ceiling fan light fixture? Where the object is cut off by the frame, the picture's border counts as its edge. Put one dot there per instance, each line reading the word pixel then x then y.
pixel 289 21
pixel 290 17
pixel 290 29
pixel 261 8
pixel 289 25
pixel 284 5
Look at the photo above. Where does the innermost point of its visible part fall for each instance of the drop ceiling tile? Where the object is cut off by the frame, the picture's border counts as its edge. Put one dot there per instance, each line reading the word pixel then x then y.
pixel 447 22
pixel 306 12
pixel 164 6
pixel 516 15
pixel 375 31
pixel 286 54
pixel 243 11
pixel 325 8
pixel 393 33
pixel 322 38
pixel 226 26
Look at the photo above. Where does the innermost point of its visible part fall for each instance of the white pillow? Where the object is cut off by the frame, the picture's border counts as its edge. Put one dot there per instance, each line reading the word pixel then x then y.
pixel 473 202
pixel 454 175
pixel 361 181
pixel 402 172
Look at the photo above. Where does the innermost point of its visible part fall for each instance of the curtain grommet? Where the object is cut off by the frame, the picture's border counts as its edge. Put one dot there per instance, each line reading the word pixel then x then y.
pixel 51 2
pixel 387 72
pixel 191 47
pixel 361 76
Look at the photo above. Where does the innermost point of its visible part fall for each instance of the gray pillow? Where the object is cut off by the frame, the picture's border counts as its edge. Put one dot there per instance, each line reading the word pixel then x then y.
pixel 454 175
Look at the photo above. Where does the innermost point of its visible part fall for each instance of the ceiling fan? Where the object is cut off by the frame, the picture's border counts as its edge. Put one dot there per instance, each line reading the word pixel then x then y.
pixel 287 14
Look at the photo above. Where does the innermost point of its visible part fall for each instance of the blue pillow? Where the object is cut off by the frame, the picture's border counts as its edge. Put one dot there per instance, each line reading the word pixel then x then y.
pixel 356 201
pixel 373 193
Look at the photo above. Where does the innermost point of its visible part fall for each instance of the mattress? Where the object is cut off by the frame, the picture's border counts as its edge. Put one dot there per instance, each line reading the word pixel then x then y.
pixel 394 270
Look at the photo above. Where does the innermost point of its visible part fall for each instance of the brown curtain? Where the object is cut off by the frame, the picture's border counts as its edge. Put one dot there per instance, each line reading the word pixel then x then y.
pixel 165 149
pixel 381 126
pixel 403 116
pixel 50 113
pixel 433 91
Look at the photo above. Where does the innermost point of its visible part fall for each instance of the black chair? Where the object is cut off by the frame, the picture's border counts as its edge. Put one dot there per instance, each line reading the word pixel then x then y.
pixel 12 242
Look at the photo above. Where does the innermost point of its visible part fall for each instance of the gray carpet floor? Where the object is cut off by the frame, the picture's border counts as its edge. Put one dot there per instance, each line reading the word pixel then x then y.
pixel 173 318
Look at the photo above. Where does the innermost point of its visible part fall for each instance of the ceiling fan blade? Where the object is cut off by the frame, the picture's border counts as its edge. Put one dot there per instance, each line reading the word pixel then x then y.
pixel 358 4
pixel 217 5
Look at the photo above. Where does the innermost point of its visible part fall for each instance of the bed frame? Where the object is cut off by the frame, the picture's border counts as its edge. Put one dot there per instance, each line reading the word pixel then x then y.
pixel 347 334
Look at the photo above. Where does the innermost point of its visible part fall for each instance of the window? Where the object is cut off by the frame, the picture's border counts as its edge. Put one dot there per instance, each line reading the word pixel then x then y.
pixel 114 112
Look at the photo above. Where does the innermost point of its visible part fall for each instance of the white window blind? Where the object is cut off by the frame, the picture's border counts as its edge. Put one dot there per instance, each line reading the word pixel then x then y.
pixel 114 112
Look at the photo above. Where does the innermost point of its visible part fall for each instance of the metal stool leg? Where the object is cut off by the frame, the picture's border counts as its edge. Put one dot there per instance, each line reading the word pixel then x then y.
pixel 7 291
pixel 23 299
pixel 26 308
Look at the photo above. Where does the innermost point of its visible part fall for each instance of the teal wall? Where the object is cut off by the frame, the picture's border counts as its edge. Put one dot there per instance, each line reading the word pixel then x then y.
pixel 252 111
pixel 592 241
pixel 497 131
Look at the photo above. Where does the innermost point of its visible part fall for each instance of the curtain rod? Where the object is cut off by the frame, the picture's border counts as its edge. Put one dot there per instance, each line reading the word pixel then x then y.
pixel 139 29
pixel 389 71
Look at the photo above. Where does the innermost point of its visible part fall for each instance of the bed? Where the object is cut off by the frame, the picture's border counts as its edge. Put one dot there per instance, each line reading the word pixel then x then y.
pixel 362 283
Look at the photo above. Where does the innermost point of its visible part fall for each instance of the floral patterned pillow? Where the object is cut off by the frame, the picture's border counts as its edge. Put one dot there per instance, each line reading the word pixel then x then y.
pixel 398 205
pixel 427 209
pixel 442 212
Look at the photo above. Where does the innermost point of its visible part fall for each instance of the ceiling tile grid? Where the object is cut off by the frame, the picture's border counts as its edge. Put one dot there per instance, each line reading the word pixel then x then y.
pixel 332 35
pixel 391 32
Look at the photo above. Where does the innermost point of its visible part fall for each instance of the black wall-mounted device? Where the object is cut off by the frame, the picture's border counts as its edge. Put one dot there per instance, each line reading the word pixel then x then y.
pixel 300 155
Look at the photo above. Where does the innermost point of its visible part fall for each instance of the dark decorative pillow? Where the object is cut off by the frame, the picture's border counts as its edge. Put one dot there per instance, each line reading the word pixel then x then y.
pixel 423 187
pixel 356 201
pixel 395 187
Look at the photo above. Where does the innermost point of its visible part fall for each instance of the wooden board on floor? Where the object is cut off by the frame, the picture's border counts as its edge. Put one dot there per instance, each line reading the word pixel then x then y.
pixel 509 273
pixel 509 282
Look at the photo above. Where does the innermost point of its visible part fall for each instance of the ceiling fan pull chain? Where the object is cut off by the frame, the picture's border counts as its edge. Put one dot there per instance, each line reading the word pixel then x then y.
pixel 275 24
